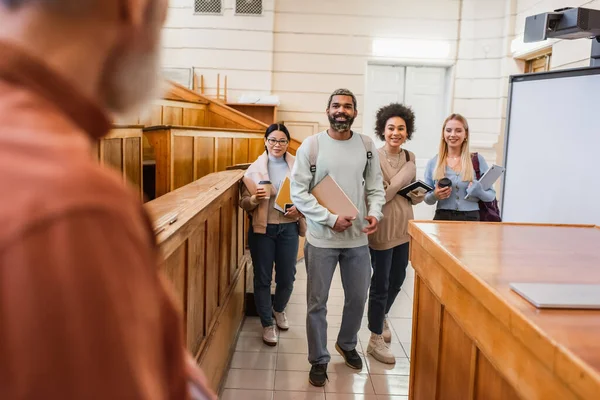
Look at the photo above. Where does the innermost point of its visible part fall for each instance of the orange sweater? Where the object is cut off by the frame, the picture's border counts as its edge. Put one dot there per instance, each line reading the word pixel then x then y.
pixel 84 313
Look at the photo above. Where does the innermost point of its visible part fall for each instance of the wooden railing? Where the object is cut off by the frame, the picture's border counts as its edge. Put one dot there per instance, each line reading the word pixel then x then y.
pixel 184 154
pixel 121 149
pixel 200 230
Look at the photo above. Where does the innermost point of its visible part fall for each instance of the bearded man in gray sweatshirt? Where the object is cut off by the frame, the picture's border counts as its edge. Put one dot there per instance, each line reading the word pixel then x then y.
pixel 352 161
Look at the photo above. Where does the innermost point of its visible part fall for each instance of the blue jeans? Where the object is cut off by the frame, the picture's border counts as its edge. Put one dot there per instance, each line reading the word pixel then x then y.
pixel 389 272
pixel 278 245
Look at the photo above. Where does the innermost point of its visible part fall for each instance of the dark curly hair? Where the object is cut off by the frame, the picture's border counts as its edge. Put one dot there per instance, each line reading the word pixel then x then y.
pixel 391 111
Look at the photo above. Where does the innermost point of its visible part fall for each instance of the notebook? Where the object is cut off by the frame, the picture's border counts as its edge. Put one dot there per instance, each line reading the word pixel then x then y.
pixel 331 196
pixel 559 295
pixel 283 196
pixel 420 186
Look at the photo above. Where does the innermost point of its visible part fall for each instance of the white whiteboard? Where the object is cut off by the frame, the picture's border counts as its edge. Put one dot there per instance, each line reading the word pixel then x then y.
pixel 552 155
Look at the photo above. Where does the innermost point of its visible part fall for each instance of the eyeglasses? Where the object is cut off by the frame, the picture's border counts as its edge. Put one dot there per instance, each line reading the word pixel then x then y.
pixel 273 142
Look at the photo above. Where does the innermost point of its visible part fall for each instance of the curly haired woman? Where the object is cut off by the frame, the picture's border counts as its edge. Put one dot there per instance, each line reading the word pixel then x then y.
pixel 395 124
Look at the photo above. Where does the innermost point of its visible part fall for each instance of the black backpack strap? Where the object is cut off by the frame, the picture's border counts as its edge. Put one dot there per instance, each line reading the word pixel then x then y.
pixel 368 143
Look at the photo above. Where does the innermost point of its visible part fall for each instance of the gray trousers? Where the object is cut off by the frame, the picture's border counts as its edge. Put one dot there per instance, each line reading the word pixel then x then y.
pixel 355 269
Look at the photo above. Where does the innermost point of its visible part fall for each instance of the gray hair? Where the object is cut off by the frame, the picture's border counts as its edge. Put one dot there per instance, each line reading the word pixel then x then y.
pixel 342 92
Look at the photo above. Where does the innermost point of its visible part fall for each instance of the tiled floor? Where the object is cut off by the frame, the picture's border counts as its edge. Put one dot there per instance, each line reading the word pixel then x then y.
pixel 260 372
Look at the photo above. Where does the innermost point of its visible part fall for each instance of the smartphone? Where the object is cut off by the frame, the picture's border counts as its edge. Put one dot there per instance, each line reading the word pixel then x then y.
pixel 287 207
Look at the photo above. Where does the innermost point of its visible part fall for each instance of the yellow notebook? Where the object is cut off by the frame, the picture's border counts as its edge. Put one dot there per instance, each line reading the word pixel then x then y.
pixel 283 196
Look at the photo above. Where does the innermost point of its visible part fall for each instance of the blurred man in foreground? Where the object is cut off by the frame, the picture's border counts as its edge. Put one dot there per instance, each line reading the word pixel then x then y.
pixel 83 312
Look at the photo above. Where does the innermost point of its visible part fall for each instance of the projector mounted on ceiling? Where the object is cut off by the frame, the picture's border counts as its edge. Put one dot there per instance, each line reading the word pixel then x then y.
pixel 566 23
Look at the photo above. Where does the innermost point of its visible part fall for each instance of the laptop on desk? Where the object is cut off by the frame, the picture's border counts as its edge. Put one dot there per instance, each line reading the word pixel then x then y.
pixel 560 295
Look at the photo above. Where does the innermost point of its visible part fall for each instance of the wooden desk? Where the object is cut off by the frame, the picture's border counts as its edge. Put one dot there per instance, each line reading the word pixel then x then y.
pixel 473 338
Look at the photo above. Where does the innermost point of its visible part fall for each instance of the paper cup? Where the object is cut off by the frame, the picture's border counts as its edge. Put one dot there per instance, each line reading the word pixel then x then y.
pixel 266 185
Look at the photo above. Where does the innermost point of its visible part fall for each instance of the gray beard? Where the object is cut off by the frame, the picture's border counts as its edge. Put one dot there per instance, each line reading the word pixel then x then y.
pixel 340 126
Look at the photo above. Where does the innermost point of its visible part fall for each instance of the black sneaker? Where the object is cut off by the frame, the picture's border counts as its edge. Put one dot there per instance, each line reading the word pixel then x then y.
pixel 318 375
pixel 351 357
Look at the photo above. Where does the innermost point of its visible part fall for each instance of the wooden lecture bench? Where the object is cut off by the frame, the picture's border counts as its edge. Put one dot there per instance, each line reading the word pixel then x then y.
pixel 474 338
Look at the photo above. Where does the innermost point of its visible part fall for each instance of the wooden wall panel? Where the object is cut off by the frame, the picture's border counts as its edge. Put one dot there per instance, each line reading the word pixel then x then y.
pixel 172 115
pixel 113 153
pixel 426 342
pixel 224 153
pixel 489 384
pixel 213 228
pixel 193 117
pixel 160 141
pixel 197 252
pixel 121 150
pixel 131 160
pixel 183 171
pixel 225 247
pixel 256 148
pixel 240 151
pixel 455 369
pixel 174 268
pixel 204 149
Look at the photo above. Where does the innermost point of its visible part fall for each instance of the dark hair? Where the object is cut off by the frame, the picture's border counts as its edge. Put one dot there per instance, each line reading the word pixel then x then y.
pixel 391 111
pixel 342 92
pixel 277 127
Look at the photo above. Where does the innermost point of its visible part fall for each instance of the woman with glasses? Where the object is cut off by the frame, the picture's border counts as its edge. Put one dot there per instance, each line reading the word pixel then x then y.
pixel 273 235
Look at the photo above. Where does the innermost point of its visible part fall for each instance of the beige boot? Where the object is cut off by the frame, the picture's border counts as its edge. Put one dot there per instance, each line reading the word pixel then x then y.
pixel 281 320
pixel 387 333
pixel 379 350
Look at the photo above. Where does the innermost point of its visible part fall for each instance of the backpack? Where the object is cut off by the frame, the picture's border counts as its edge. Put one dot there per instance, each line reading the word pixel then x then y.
pixel 313 152
pixel 488 211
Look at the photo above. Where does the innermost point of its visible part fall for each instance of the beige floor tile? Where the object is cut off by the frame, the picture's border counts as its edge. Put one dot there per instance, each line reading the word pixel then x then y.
pixel 253 360
pixel 402 327
pixel 237 394
pixel 297 299
pixel 297 319
pixel 295 332
pixel 350 396
pixel 295 381
pixel 402 367
pixel 406 347
pixel 254 344
pixel 390 384
pixel 293 308
pixel 335 301
pixel 250 379
pixel 285 395
pixel 349 383
pixel 292 362
pixel 293 346
pixel 402 308
pixel 390 397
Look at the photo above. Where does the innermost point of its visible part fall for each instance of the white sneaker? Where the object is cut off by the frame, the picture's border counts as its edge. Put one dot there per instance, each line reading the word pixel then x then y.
pixel 282 321
pixel 270 335
pixel 379 350
pixel 387 334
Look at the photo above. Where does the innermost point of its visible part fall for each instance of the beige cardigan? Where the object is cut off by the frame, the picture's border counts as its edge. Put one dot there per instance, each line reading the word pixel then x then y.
pixel 397 211
pixel 259 210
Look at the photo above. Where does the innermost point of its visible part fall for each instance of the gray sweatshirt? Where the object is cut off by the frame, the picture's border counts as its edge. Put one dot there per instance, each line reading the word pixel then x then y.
pixel 344 161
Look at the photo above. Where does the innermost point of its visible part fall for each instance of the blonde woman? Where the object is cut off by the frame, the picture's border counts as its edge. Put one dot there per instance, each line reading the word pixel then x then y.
pixel 452 175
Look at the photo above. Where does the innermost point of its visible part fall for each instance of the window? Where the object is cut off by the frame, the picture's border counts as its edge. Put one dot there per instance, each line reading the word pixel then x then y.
pixel 248 7
pixel 208 6
pixel 538 64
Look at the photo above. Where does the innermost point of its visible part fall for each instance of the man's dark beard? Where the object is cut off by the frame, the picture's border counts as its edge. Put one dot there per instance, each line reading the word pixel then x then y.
pixel 340 126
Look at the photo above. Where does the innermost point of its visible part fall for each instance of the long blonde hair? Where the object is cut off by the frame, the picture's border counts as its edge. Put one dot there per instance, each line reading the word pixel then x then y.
pixel 466 171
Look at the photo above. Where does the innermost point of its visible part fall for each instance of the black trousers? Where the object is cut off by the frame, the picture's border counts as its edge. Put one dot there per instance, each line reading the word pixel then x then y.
pixel 389 273
pixel 451 215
